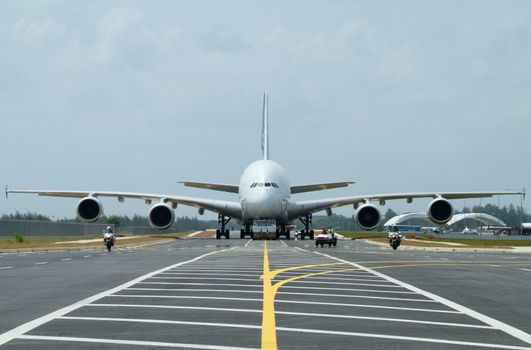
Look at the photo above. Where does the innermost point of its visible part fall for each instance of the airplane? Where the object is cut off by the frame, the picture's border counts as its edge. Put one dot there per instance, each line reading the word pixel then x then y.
pixel 264 194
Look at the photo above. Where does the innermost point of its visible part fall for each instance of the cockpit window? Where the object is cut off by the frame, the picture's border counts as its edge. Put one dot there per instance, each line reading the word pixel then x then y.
pixel 264 184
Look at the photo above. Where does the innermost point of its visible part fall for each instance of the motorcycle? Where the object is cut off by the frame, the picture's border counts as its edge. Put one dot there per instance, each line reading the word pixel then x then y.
pixel 108 240
pixel 395 240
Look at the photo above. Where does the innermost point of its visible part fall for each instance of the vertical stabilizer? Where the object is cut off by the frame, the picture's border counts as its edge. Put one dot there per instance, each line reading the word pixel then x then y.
pixel 265 130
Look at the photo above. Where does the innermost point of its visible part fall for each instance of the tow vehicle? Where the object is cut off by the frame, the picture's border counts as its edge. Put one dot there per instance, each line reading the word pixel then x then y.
pixel 326 237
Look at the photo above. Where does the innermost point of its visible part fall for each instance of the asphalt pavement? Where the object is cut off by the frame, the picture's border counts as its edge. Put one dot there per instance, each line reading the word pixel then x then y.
pixel 238 294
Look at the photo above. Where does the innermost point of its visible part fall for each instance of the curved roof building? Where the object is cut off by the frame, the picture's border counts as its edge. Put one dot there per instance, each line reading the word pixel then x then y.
pixel 484 219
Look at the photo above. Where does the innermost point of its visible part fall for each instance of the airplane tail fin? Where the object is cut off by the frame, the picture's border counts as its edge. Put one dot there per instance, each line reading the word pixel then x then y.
pixel 265 130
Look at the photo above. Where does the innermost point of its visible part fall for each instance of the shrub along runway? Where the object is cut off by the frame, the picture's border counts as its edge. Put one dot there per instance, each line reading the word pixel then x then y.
pixel 240 294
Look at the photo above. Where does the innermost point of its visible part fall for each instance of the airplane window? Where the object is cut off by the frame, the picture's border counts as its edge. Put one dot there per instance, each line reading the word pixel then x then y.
pixel 268 184
pixel 274 184
pixel 253 185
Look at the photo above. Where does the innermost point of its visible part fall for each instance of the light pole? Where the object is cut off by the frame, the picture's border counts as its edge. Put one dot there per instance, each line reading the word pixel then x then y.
pixel 522 209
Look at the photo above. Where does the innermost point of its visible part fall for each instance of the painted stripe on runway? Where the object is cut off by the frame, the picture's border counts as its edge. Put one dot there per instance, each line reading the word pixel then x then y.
pixel 87 256
pixel 190 290
pixel 284 244
pixel 217 274
pixel 343 283
pixel 208 278
pixel 66 259
pixel 329 282
pixel 402 320
pixel 526 270
pixel 144 306
pixel 186 297
pixel 513 331
pixel 249 241
pixel 354 290
pixel 398 337
pixel 132 342
pixel 260 292
pixel 372 279
pixel 26 327
pixel 147 320
pixel 368 306
pixel 309 314
pixel 41 263
pixel 6 267
pixel 204 284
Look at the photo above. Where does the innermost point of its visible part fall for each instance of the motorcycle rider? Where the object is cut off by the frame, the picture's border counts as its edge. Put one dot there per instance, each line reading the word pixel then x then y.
pixel 108 236
pixel 394 237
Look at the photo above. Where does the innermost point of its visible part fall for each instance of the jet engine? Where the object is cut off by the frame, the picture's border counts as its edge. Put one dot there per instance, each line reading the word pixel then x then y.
pixel 89 209
pixel 367 216
pixel 161 216
pixel 440 211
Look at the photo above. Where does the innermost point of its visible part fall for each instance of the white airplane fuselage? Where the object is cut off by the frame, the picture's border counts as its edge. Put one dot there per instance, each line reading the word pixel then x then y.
pixel 264 191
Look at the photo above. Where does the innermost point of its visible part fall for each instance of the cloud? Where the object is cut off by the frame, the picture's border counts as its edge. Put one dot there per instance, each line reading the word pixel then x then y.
pixel 223 38
pixel 36 33
pixel 123 38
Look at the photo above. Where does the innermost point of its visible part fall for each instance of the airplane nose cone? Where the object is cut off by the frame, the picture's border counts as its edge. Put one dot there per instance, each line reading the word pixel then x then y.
pixel 264 205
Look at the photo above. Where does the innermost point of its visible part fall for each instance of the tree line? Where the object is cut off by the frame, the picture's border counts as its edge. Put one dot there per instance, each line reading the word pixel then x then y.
pixel 509 214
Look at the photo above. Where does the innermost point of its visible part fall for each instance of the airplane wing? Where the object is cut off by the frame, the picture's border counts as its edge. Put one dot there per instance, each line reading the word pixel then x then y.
pixel 228 208
pixel 211 186
pixel 319 187
pixel 301 208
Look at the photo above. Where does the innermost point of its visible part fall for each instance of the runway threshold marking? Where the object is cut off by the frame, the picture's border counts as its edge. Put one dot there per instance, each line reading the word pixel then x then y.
pixel 526 270
pixel 131 342
pixel 6 267
pixel 512 331
pixel 18 332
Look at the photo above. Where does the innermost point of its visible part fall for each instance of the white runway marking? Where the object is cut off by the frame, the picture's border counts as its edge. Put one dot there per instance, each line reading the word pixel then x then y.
pixel 213 274
pixel 87 256
pixel 310 314
pixel 26 327
pixel 66 259
pixel 398 337
pixel 205 284
pixel 147 320
pixel 444 259
pixel 260 292
pixel 515 332
pixel 41 263
pixel 526 270
pixel 132 342
pixel 6 267
pixel 247 244
pixel 284 244
pixel 209 278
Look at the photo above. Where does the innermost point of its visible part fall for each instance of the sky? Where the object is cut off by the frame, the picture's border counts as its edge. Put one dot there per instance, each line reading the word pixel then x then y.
pixel 398 96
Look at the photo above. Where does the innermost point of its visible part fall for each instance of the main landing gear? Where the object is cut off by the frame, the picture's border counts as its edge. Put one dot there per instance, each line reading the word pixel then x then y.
pixel 247 231
pixel 221 231
pixel 307 222
pixel 283 231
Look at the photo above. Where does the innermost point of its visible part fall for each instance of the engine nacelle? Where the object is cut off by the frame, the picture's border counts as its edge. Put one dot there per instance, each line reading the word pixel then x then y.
pixel 367 216
pixel 161 216
pixel 440 211
pixel 89 209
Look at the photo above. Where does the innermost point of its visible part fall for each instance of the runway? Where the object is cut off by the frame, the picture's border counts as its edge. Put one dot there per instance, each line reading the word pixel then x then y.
pixel 243 294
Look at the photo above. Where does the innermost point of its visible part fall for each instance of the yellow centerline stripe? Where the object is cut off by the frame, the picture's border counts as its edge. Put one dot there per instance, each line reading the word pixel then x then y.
pixel 269 335
pixel 269 332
